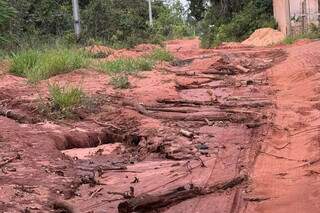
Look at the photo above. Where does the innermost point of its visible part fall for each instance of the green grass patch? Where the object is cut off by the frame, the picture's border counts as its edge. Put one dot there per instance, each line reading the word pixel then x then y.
pixel 120 81
pixel 65 99
pixel 293 39
pixel 38 65
pixel 126 65
pixel 134 65
pixel 161 54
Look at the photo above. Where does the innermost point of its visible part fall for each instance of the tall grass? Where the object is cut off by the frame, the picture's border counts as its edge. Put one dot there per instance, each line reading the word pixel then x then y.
pixel 64 99
pixel 37 65
pixel 126 65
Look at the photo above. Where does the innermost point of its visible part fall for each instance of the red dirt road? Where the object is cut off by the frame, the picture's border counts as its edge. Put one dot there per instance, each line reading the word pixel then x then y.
pixel 289 174
pixel 189 128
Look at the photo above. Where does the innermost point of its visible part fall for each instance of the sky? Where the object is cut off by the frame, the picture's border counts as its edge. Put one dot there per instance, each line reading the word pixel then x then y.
pixel 184 2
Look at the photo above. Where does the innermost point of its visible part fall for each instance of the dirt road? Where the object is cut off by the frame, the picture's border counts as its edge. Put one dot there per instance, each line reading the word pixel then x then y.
pixel 287 170
pixel 224 130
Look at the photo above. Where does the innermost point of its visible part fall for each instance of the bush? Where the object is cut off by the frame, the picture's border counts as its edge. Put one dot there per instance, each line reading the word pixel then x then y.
pixel 6 12
pixel 253 15
pixel 170 24
pixel 65 99
pixel 120 81
pixel 120 23
pixel 37 65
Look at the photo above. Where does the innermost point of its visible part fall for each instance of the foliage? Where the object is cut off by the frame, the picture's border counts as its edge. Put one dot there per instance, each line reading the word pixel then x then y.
pixel 120 81
pixel 170 24
pixel 116 21
pixel 236 21
pixel 37 65
pixel 120 23
pixel 6 12
pixel 197 9
pixel 65 99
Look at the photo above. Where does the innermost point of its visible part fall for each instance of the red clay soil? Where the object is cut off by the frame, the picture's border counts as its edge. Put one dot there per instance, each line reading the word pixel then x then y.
pixel 225 130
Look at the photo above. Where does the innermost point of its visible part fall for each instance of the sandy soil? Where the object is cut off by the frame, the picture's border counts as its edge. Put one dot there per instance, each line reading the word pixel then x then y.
pixel 264 37
pixel 286 173
pixel 198 123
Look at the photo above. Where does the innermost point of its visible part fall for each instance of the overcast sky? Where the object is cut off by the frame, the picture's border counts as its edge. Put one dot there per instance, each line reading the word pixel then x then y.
pixel 184 2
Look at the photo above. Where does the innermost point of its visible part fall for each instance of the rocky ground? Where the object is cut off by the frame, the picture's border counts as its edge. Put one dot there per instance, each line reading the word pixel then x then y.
pixel 221 130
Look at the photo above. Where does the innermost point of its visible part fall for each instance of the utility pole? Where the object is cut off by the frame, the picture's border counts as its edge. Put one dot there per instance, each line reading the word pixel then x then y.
pixel 76 18
pixel 150 13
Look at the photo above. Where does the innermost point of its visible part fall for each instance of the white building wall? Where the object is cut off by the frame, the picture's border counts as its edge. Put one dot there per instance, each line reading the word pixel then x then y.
pixel 296 16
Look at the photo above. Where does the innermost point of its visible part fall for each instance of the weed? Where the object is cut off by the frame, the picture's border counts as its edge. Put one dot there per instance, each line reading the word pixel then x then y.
pixel 37 65
pixel 127 66
pixel 120 81
pixel 65 99
pixel 161 54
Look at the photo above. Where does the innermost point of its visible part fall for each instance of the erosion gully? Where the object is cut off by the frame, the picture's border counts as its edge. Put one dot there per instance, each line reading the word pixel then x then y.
pixel 187 137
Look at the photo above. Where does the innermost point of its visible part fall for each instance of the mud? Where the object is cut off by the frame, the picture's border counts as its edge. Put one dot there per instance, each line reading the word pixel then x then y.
pixel 208 117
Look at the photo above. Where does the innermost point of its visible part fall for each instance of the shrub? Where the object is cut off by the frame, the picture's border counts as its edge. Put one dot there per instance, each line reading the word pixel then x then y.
pixel 6 12
pixel 38 65
pixel 170 24
pixel 65 99
pixel 120 81
pixel 126 65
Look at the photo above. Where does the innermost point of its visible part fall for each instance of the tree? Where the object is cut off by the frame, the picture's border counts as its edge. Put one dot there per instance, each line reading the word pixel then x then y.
pixel 197 9
pixel 6 12
pixel 235 20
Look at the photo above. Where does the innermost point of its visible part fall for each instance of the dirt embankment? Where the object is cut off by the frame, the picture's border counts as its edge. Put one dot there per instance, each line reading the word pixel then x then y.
pixel 190 136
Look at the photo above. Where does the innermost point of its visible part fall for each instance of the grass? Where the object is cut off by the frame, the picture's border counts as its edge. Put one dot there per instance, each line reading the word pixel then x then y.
pixel 65 99
pixel 293 39
pixel 161 54
pixel 38 65
pixel 133 65
pixel 126 65
pixel 120 81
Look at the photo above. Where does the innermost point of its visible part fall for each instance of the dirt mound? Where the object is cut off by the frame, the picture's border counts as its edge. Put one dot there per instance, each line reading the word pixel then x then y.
pixel 264 37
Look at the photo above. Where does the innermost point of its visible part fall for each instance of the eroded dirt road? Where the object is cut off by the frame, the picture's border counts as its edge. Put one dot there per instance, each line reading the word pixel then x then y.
pixel 226 130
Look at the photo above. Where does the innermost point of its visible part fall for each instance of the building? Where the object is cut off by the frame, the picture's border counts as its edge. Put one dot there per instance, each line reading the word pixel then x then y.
pixel 296 16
